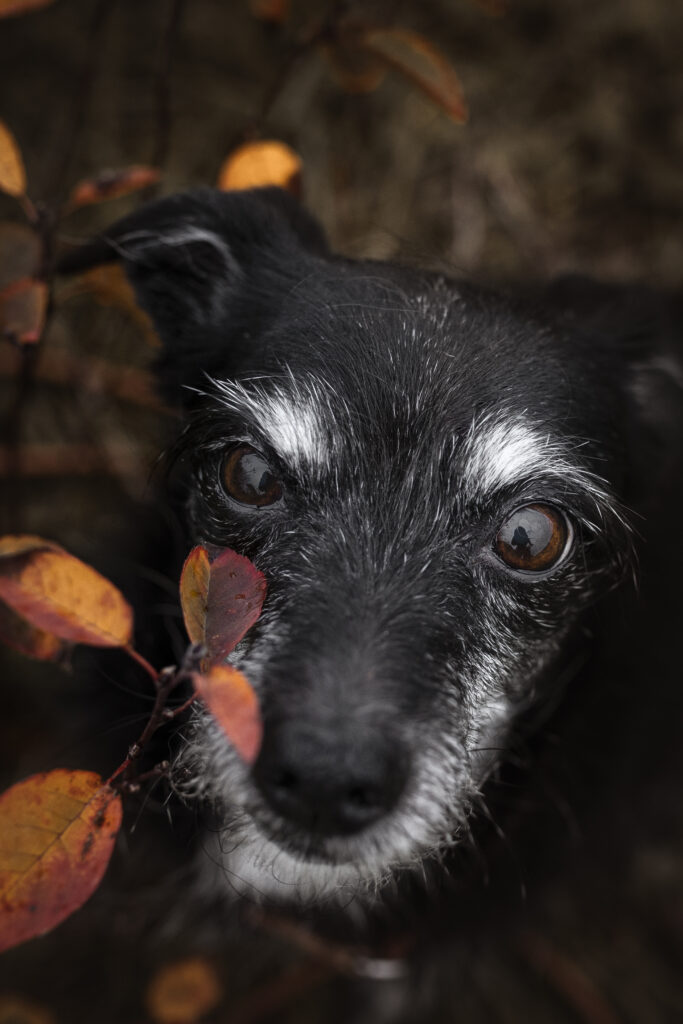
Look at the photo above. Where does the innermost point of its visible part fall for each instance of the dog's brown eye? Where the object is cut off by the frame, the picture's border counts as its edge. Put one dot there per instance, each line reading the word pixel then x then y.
pixel 533 538
pixel 248 478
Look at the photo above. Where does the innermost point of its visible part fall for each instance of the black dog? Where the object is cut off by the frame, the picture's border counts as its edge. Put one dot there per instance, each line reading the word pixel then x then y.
pixel 436 480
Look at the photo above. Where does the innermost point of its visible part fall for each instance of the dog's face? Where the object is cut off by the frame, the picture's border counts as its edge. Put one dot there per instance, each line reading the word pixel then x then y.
pixel 428 477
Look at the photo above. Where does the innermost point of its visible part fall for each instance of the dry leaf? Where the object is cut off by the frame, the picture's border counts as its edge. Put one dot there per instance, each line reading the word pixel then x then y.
pixel 112 184
pixel 221 598
pixel 19 252
pixel 181 993
pixel 356 70
pixel 57 832
pixel 233 703
pixel 23 305
pixel 10 7
pixel 58 593
pixel 12 173
pixel 109 286
pixel 21 636
pixel 16 1010
pixel 421 62
pixel 261 163
pixel 274 11
pixel 194 593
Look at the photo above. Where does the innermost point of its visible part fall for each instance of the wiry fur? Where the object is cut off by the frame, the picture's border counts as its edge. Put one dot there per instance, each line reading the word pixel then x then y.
pixel 407 418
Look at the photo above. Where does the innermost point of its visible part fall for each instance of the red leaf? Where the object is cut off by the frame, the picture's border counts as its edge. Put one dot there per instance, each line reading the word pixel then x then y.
pixel 232 702
pixel 221 593
pixel 57 832
pixel 21 636
pixel 60 594
pixel 11 7
pixel 23 305
pixel 112 184
pixel 19 252
pixel 421 62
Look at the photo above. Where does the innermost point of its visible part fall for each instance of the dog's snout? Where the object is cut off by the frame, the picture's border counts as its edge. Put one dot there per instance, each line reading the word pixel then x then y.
pixel 326 783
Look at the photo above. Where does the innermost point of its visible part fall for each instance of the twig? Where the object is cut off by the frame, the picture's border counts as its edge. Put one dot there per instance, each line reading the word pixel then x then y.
pixel 568 979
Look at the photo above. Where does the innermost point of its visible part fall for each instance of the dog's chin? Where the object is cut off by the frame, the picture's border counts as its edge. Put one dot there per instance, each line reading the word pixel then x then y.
pixel 263 869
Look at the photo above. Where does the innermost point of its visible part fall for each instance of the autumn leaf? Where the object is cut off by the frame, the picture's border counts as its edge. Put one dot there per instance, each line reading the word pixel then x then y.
pixel 233 703
pixel 420 62
pixel 221 598
pixel 19 252
pixel 356 70
pixel 15 1010
pixel 10 7
pixel 12 173
pixel 23 305
pixel 58 593
pixel 57 832
pixel 182 992
pixel 274 11
pixel 109 286
pixel 21 636
pixel 256 164
pixel 112 185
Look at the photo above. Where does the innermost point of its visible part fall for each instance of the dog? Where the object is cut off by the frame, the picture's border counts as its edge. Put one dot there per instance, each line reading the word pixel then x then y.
pixel 438 481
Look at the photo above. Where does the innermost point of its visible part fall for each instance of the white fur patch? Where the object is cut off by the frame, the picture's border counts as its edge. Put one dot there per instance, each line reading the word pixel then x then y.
pixel 503 452
pixel 291 420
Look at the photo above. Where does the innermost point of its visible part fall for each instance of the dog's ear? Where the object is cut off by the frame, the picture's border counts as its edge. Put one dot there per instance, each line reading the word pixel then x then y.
pixel 638 332
pixel 211 269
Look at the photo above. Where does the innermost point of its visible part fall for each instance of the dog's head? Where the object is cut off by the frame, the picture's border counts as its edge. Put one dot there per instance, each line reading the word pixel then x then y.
pixel 431 478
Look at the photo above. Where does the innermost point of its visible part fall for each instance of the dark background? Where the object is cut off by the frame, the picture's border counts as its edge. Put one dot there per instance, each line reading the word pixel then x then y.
pixel 571 160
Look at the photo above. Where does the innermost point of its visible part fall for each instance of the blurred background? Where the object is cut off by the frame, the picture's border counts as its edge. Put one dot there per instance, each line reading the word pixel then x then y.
pixel 570 160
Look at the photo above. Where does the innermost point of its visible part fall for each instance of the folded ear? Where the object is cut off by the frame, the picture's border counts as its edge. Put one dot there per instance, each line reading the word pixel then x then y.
pixel 210 268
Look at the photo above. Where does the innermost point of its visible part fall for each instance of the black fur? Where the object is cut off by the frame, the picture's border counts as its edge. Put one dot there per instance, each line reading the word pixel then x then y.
pixel 390 623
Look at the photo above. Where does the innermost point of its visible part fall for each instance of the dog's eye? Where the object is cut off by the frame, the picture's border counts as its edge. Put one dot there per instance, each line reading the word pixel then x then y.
pixel 247 477
pixel 533 539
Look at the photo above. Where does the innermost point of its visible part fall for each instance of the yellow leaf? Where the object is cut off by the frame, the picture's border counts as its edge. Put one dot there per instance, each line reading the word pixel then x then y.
pixel 57 833
pixel 257 164
pixel 112 184
pixel 181 993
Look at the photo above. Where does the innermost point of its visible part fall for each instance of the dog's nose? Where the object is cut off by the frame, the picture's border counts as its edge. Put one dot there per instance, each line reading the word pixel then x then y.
pixel 327 783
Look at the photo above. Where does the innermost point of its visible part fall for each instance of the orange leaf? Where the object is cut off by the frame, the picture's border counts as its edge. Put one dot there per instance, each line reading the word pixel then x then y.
pixel 15 1010
pixel 21 636
pixel 261 163
pixel 112 184
pixel 59 593
pixel 421 62
pixel 10 7
pixel 19 252
pixel 233 703
pixel 23 305
pixel 57 832
pixel 12 173
pixel 183 992
pixel 274 11
pixel 221 597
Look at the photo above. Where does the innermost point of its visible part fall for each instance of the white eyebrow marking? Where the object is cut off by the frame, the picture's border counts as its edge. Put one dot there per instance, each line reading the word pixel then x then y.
pixel 500 452
pixel 291 421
